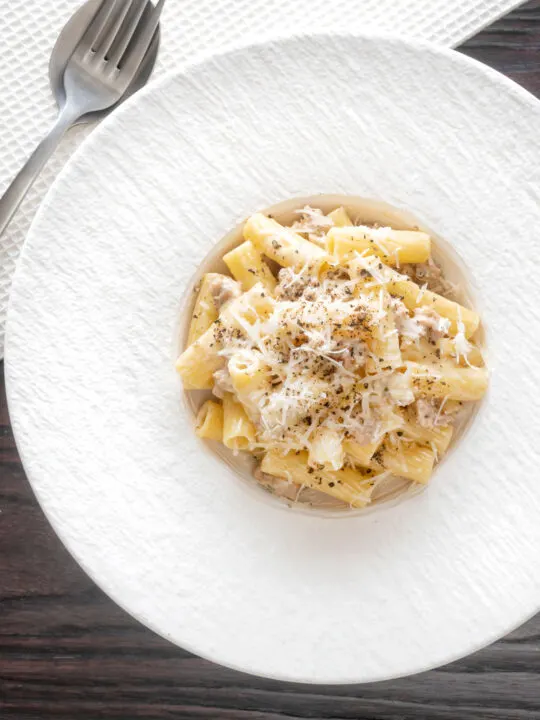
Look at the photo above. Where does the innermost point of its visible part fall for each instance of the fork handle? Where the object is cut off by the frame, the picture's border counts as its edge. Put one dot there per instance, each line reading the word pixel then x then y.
pixel 25 178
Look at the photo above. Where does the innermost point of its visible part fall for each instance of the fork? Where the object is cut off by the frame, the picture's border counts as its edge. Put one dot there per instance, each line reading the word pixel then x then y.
pixel 96 77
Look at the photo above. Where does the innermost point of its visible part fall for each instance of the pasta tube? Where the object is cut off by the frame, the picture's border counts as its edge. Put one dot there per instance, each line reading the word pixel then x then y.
pixel 420 351
pixel 436 437
pixel 248 371
pixel 393 247
pixel 255 304
pixel 205 311
pixel 198 363
pixel 442 381
pixel 340 217
pixel 249 378
pixel 350 486
pixel 361 454
pixel 248 267
pixel 413 462
pixel 209 423
pixel 281 244
pixel 238 431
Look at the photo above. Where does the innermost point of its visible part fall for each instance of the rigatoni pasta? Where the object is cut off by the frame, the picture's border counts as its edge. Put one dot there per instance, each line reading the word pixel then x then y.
pixel 239 433
pixel 209 422
pixel 444 380
pixel 205 311
pixel 248 267
pixel 393 247
pixel 340 218
pixel 281 244
pixel 351 486
pixel 339 373
pixel 413 462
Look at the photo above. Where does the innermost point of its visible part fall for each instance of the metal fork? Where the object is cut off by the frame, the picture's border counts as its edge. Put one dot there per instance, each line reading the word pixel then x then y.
pixel 96 77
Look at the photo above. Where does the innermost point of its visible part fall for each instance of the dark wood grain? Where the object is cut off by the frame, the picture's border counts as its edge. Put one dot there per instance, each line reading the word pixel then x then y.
pixel 66 651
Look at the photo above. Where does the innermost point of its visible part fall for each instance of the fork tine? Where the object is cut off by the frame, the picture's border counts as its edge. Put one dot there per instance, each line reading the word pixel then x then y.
pixel 124 38
pixel 98 23
pixel 136 50
pixel 114 27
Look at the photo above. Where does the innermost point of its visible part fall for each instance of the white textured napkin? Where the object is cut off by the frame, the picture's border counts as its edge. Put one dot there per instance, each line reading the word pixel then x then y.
pixel 28 30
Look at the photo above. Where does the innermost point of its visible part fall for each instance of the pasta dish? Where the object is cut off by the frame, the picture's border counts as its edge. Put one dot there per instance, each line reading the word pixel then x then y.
pixel 337 356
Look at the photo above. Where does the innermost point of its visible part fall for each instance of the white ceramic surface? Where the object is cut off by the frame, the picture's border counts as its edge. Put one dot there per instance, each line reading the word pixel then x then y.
pixel 105 438
pixel 28 30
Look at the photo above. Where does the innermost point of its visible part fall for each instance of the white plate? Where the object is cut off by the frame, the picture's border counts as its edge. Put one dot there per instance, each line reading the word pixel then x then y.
pixel 157 520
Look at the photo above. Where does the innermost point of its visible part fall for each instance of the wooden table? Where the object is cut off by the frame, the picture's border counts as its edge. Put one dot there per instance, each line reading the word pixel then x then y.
pixel 66 651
